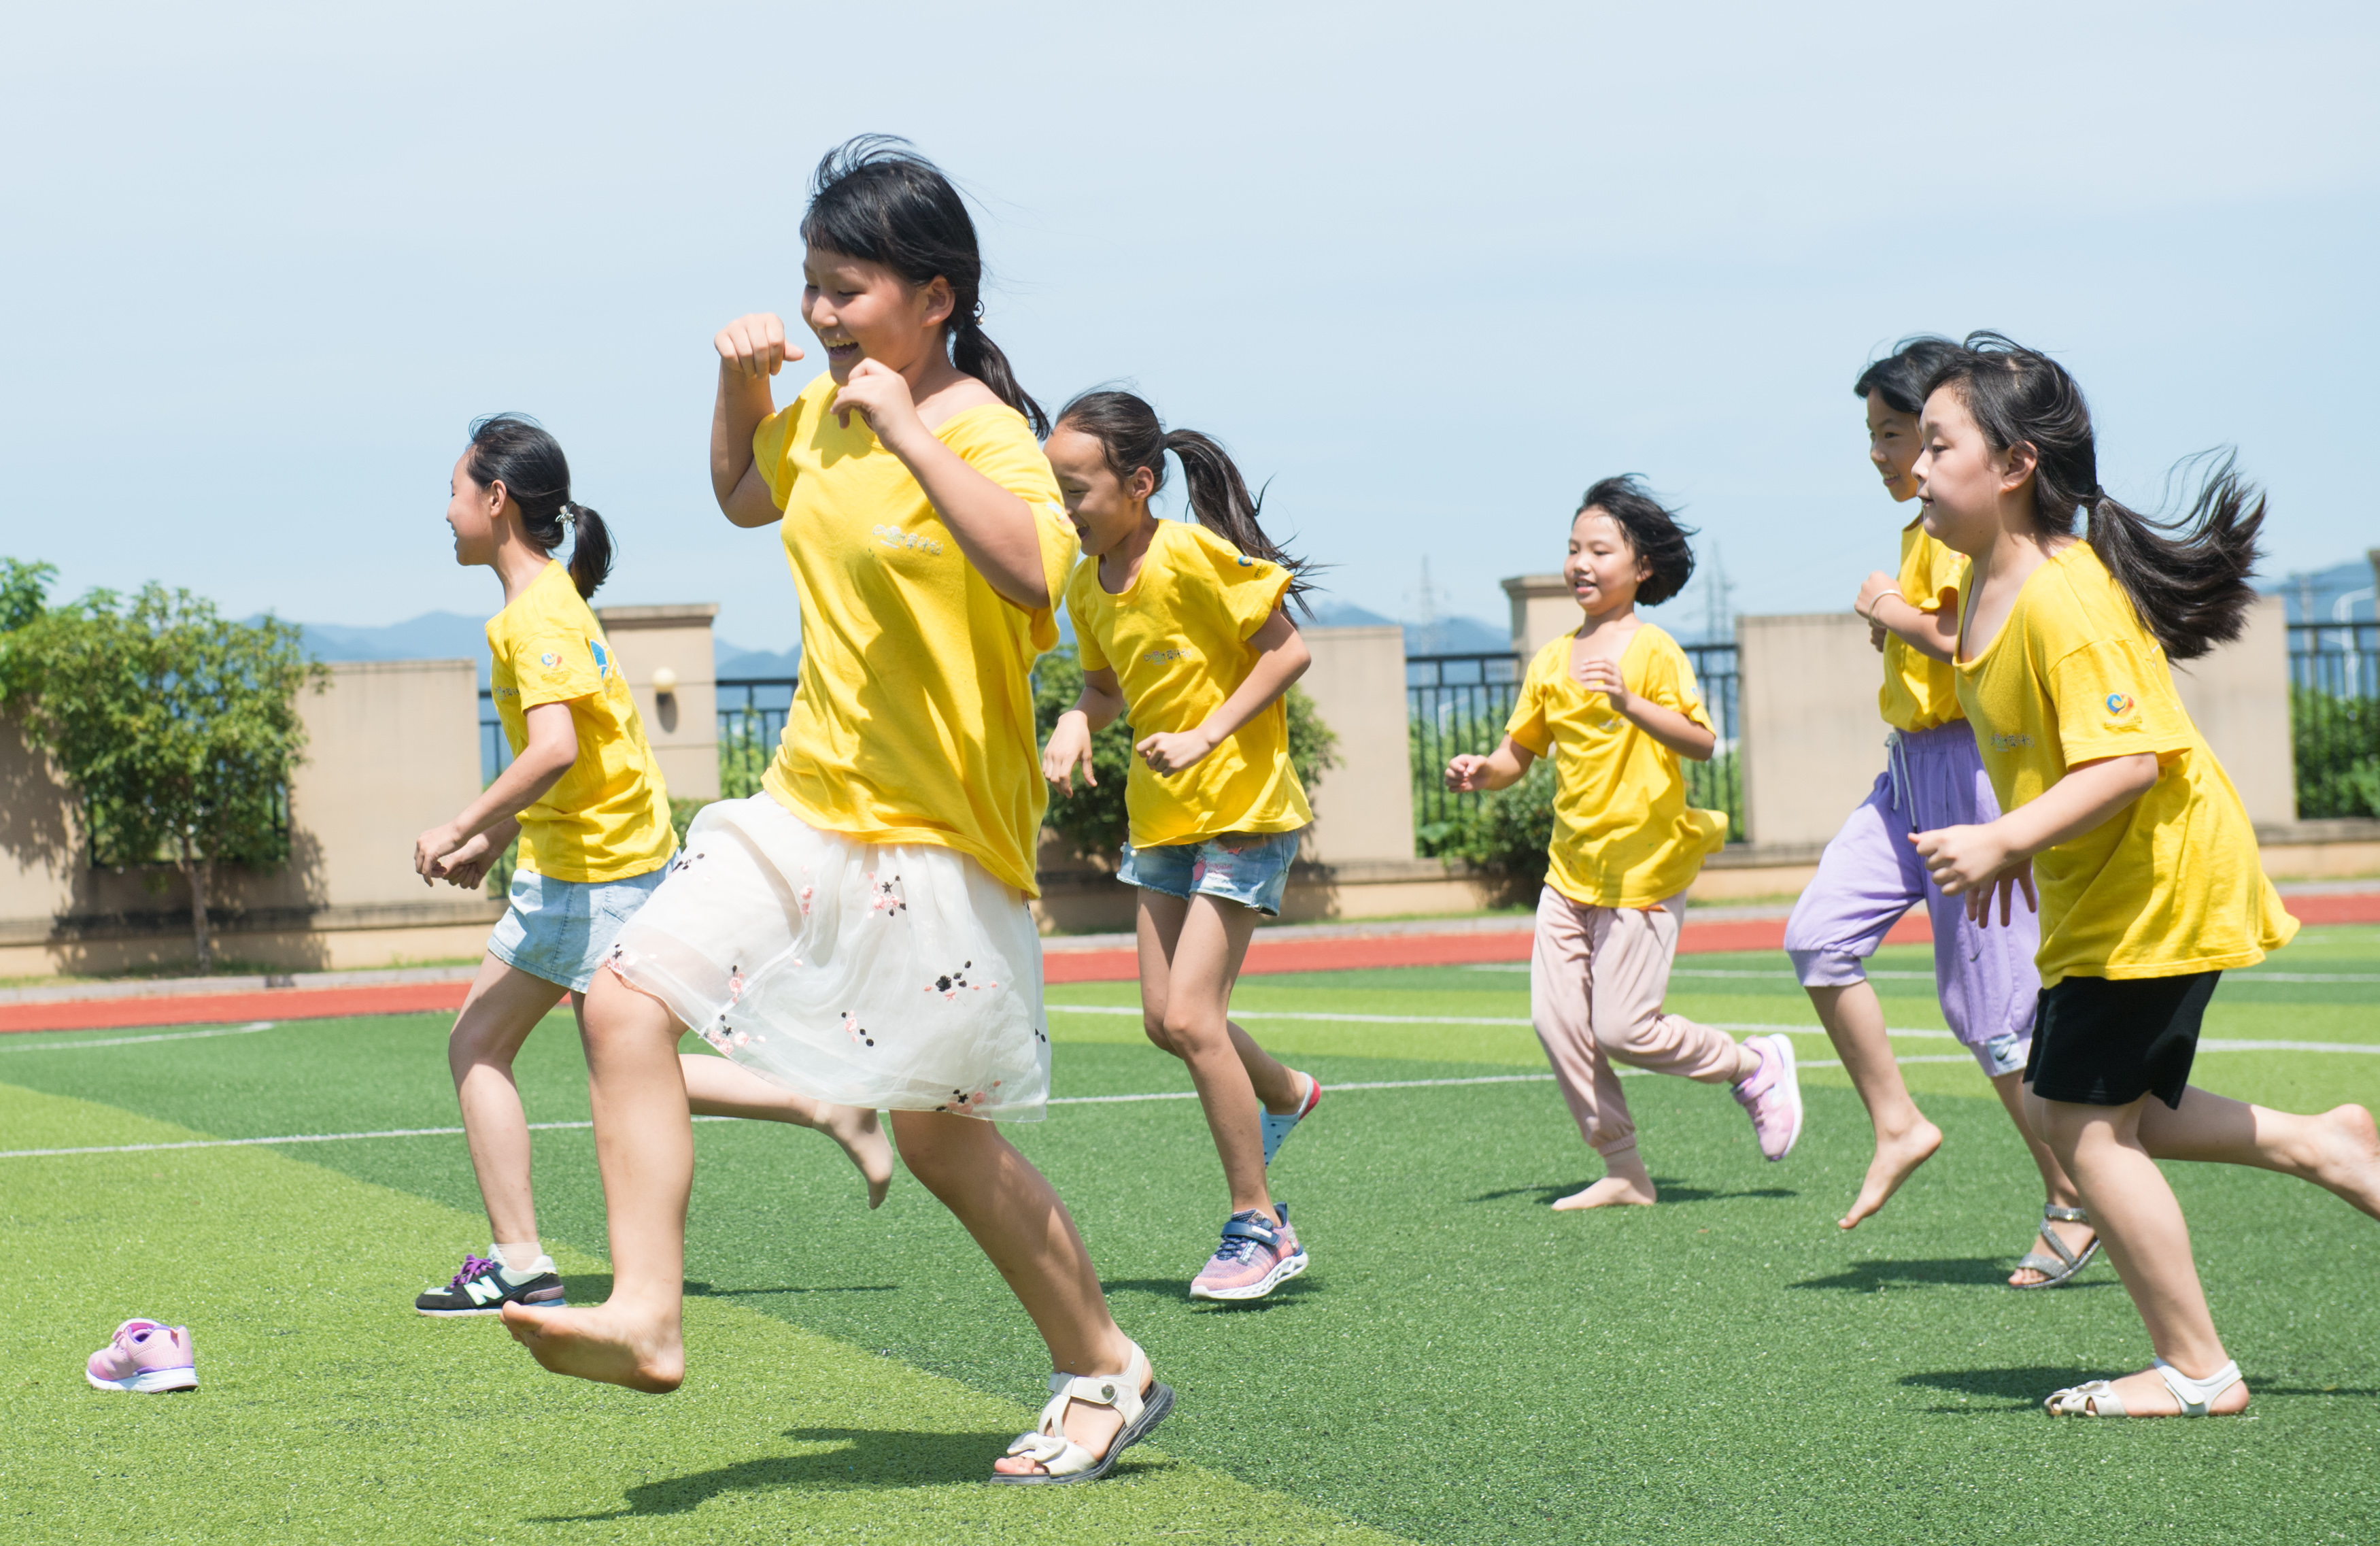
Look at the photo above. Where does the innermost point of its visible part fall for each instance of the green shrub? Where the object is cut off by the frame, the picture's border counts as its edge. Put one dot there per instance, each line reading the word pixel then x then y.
pixel 2337 745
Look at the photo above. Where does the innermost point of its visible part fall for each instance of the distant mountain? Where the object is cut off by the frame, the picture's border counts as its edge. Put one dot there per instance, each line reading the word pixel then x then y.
pixel 2315 597
pixel 444 636
pixel 1443 636
pixel 747 665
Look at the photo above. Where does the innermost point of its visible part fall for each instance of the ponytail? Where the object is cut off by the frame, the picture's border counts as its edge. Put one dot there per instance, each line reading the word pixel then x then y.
pixel 875 198
pixel 2187 578
pixel 1131 437
pixel 515 450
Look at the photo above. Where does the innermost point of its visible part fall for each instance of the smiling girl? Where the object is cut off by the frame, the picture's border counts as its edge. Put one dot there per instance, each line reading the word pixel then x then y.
pixel 859 931
pixel 1614 704
pixel 1184 628
pixel 2123 825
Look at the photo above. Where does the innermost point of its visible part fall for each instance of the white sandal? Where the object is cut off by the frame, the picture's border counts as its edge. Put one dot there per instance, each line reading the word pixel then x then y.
pixel 1061 1458
pixel 2097 1398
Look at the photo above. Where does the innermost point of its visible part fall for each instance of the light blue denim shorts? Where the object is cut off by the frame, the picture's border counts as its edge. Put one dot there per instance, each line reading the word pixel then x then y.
pixel 1251 869
pixel 560 930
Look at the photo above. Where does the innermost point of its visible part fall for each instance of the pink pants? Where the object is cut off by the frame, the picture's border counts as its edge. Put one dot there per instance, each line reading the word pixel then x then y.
pixel 1596 978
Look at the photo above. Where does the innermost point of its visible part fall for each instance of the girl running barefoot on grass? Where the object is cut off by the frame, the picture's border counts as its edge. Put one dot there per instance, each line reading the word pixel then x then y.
pixel 2149 885
pixel 859 930
pixel 587 800
pixel 1870 876
pixel 1614 704
pixel 1183 629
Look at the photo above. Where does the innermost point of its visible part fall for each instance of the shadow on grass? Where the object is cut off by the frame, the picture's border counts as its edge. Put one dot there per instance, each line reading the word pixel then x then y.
pixel 593 1288
pixel 1178 1289
pixel 863 1459
pixel 1670 1188
pixel 2025 1389
pixel 1868 1277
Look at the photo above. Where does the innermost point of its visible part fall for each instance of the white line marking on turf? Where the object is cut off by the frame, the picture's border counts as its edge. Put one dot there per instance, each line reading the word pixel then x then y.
pixel 1444 1019
pixel 128 1041
pixel 295 1137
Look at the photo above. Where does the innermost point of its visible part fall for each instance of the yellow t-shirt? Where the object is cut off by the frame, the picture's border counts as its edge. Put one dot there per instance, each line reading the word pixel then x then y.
pixel 1920 692
pixel 609 816
pixel 2171 884
pixel 1177 640
pixel 913 720
pixel 1623 834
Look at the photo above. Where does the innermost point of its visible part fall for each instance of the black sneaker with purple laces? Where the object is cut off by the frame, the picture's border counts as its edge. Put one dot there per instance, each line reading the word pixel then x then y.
pixel 484 1287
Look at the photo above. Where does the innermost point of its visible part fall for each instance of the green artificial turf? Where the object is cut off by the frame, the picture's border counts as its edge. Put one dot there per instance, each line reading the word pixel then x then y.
pixel 1461 1364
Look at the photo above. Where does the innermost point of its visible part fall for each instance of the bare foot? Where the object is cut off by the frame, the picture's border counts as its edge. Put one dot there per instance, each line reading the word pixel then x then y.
pixel 1896 1160
pixel 1612 1191
pixel 2146 1394
pixel 2076 1237
pixel 864 1140
pixel 1089 1423
pixel 602 1344
pixel 2349 1162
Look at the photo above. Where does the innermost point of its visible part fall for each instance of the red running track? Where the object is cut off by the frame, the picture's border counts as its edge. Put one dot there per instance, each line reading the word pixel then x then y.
pixel 1059 966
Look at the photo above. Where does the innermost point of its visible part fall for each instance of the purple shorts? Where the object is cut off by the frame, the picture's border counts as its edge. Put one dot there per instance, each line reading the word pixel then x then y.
pixel 1871 874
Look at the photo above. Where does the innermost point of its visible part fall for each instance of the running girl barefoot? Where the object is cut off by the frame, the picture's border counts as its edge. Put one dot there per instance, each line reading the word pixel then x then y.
pixel 1614 704
pixel 587 800
pixel 2148 881
pixel 1870 876
pixel 1182 628
pixel 859 930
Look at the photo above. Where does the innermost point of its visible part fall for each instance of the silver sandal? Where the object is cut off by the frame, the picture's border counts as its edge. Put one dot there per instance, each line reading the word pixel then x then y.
pixel 2065 1263
pixel 2097 1398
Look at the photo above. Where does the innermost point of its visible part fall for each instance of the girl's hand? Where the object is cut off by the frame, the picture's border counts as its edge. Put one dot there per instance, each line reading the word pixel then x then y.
pixel 1597 675
pixel 469 864
pixel 880 394
pixel 1877 586
pixel 1173 753
pixel 1466 773
pixel 755 347
pixel 433 847
pixel 2006 884
pixel 1070 747
pixel 1977 862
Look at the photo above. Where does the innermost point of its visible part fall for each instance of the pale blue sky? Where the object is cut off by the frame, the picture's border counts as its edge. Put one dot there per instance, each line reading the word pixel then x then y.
pixel 1431 270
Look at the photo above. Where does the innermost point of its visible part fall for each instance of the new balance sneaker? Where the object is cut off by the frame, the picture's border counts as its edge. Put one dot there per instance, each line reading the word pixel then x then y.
pixel 1254 1258
pixel 484 1287
pixel 145 1355
pixel 1772 1096
pixel 1277 1128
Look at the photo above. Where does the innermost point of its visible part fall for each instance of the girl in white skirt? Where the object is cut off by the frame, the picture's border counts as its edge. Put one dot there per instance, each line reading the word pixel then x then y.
pixel 859 931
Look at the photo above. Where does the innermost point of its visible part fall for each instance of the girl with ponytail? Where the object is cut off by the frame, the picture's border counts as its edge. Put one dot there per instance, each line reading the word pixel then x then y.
pixel 859 932
pixel 1183 628
pixel 2120 830
pixel 587 800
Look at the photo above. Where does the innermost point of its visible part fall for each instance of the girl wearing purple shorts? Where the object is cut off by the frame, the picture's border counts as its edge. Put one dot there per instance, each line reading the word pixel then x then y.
pixel 1871 873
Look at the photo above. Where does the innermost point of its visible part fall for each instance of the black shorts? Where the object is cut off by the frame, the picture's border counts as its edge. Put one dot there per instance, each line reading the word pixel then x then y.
pixel 2098 1041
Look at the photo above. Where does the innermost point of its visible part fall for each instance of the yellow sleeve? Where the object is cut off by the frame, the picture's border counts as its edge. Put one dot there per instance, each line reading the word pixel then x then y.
pixel 1527 725
pixel 1944 584
pixel 768 443
pixel 1249 588
pixel 1088 649
pixel 1670 681
pixel 2114 698
pixel 1001 447
pixel 551 662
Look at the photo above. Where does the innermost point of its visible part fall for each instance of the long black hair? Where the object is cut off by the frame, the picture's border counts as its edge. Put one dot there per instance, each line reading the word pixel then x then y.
pixel 1131 436
pixel 1900 377
pixel 1653 533
pixel 874 197
pixel 2188 576
pixel 515 450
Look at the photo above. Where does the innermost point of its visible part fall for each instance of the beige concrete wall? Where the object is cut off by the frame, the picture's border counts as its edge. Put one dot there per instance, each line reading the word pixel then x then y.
pixel 1363 809
pixel 681 727
pixel 1543 609
pixel 1813 743
pixel 2239 697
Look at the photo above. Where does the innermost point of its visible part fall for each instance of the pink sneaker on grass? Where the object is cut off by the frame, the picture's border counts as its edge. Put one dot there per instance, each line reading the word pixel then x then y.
pixel 1772 1096
pixel 146 1356
pixel 1256 1258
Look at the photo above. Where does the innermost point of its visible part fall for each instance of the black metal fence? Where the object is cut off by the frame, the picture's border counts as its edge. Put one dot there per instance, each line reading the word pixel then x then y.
pixel 1459 704
pixel 751 718
pixel 2335 717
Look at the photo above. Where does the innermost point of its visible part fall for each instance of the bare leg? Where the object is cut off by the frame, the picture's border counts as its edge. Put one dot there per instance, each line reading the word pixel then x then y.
pixel 1015 1216
pixel 2338 1151
pixel 1190 954
pixel 717 1087
pixel 503 1005
pixel 2147 1238
pixel 644 1147
pixel 1904 1140
pixel 2058 1187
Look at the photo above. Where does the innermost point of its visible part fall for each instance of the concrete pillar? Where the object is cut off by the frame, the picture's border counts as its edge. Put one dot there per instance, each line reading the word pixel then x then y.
pixel 1813 742
pixel 1363 809
pixel 683 724
pixel 1543 609
pixel 2239 697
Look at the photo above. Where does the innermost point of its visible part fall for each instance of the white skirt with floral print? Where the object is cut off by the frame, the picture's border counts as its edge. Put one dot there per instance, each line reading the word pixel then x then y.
pixel 900 976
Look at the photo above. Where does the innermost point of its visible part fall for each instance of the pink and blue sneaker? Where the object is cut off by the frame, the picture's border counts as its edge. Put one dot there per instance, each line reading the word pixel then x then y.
pixel 1256 1258
pixel 1772 1096
pixel 145 1355
pixel 1277 1128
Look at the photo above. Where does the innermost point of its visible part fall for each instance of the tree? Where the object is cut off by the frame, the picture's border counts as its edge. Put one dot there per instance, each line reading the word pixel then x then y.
pixel 177 727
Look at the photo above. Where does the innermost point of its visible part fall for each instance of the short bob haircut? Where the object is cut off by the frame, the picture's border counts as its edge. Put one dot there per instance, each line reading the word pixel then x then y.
pixel 1653 533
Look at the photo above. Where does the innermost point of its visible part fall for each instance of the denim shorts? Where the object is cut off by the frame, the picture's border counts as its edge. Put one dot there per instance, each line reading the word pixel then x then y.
pixel 1251 869
pixel 560 930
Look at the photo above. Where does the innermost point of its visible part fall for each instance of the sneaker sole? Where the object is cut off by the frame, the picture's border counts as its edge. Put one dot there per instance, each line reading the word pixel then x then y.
pixel 1793 1082
pixel 492 1309
pixel 152 1382
pixel 1283 1271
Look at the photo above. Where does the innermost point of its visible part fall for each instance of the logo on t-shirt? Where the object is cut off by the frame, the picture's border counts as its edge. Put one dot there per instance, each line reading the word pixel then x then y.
pixel 602 658
pixel 1246 562
pixel 549 659
pixel 2009 742
pixel 1159 657
pixel 915 541
pixel 2119 705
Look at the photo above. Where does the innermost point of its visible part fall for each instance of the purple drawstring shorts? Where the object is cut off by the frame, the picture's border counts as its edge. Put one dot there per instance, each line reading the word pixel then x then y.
pixel 1870 875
